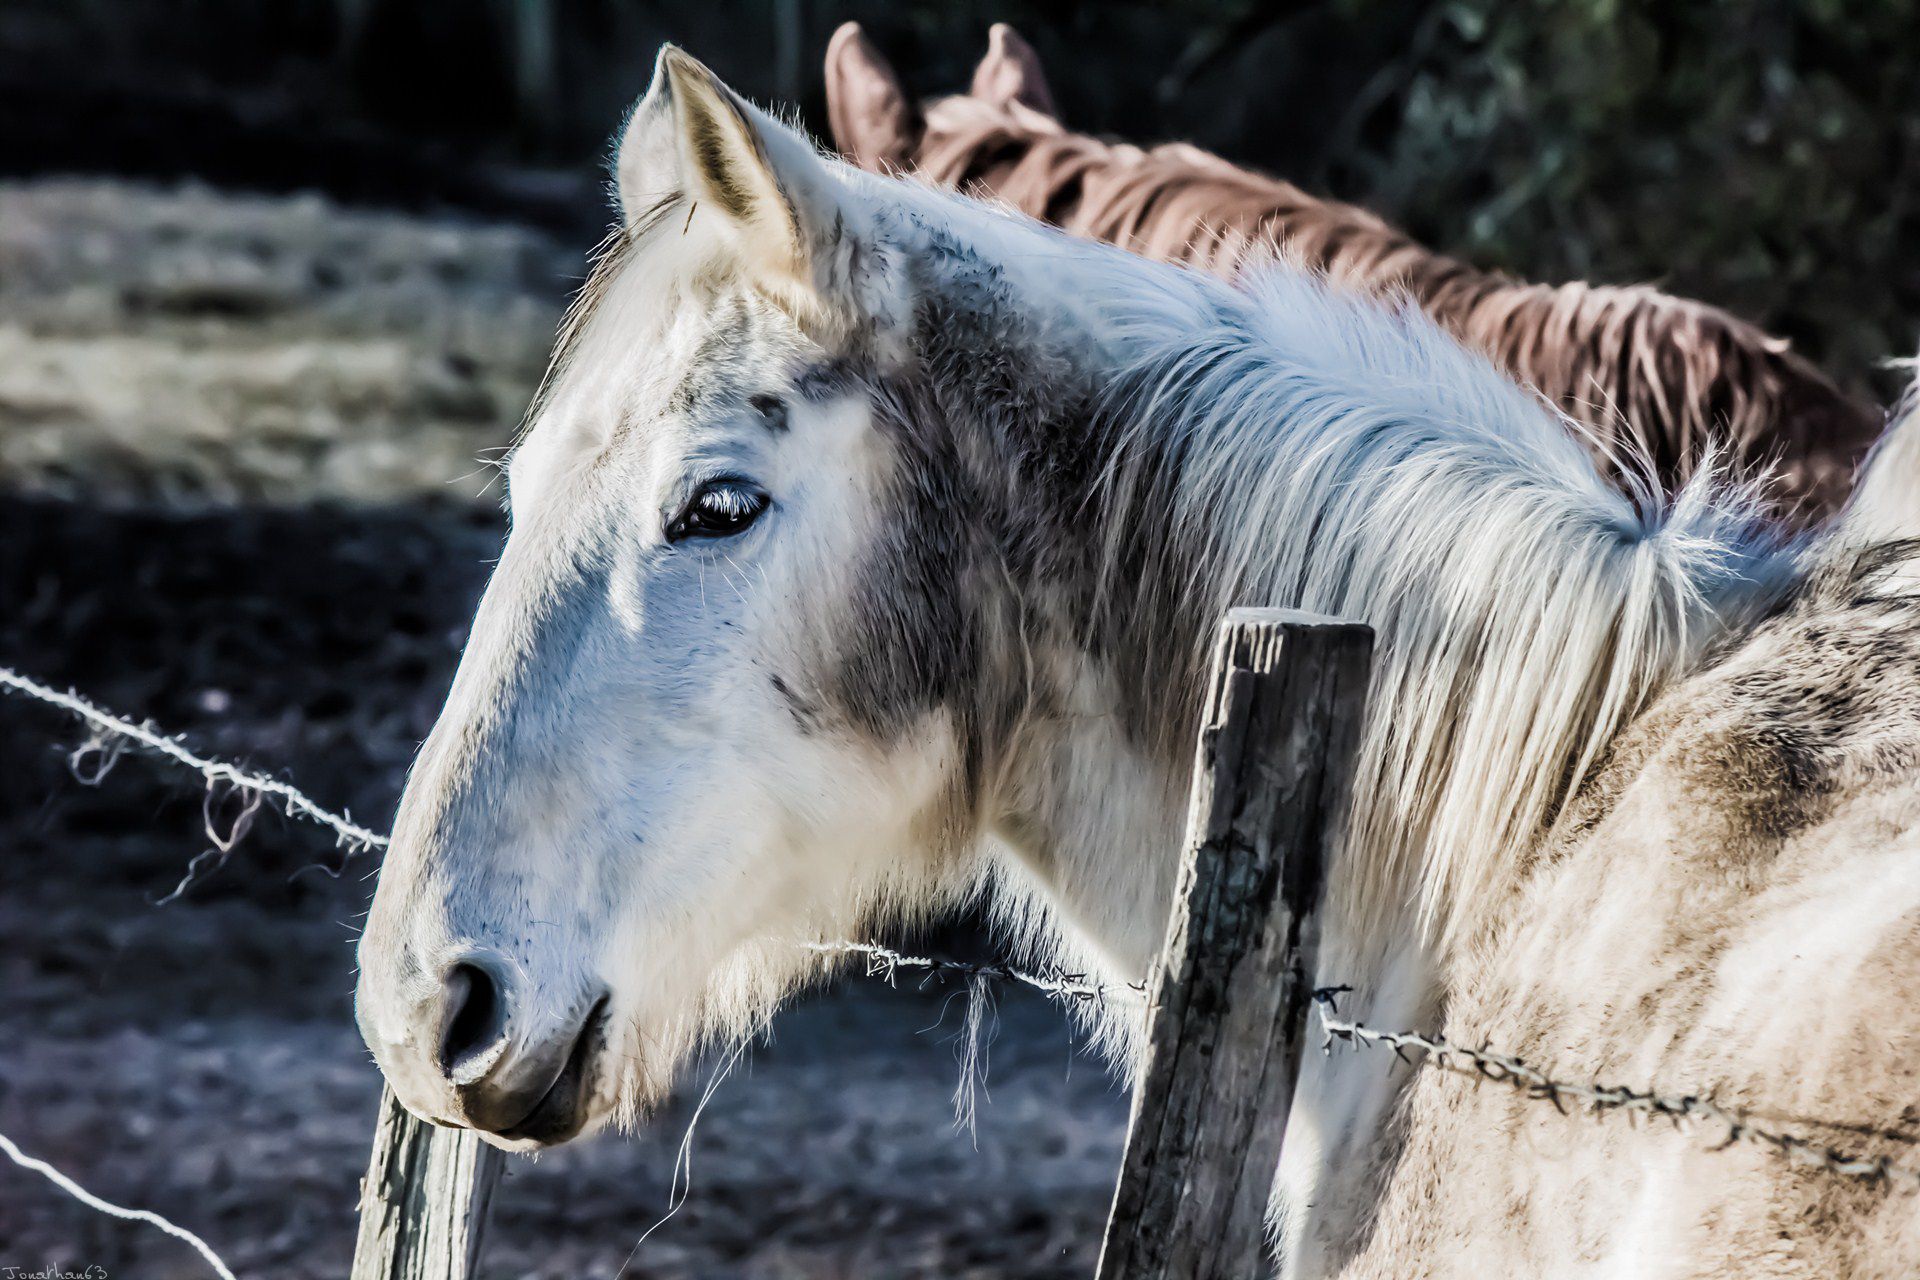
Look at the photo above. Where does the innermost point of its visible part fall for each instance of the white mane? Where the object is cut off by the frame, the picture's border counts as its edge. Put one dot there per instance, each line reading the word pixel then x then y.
pixel 1886 501
pixel 1316 449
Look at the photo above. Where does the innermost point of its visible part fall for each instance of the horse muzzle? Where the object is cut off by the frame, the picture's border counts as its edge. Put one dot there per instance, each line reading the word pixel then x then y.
pixel 475 1052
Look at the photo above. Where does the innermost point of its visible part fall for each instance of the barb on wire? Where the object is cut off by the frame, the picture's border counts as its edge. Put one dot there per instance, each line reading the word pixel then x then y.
pixel 93 760
pixel 1486 1063
pixel 92 1201
pixel 883 961
pixel 112 733
pixel 223 845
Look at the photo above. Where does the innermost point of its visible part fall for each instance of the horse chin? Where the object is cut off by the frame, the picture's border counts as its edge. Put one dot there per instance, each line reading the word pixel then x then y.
pixel 586 1126
pixel 636 1084
pixel 575 1105
pixel 596 1108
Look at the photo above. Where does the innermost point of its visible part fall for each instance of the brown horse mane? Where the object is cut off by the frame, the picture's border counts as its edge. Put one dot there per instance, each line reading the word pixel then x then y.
pixel 1630 362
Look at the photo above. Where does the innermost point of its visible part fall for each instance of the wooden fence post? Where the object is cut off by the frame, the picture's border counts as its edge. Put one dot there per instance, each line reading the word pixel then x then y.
pixel 423 1204
pixel 1229 1000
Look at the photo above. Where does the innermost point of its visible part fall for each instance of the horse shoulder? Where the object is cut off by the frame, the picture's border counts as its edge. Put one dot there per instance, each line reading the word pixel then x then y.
pixel 1730 909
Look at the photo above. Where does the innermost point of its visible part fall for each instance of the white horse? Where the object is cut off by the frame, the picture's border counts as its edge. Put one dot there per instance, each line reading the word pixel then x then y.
pixel 866 544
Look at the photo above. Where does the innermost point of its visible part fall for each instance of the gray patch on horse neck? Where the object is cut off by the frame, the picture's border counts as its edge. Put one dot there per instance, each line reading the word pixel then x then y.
pixel 983 549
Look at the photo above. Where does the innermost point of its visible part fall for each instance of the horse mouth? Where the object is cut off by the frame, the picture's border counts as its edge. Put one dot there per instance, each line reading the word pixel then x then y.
pixel 562 1110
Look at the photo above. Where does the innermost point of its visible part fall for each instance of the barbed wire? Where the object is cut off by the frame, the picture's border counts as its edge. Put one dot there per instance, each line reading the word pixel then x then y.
pixel 883 961
pixel 92 1201
pixel 1489 1064
pixel 113 733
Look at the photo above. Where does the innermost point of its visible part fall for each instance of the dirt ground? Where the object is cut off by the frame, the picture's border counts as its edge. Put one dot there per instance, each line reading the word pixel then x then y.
pixel 238 443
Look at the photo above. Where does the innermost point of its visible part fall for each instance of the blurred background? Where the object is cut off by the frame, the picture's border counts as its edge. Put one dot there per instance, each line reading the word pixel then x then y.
pixel 276 283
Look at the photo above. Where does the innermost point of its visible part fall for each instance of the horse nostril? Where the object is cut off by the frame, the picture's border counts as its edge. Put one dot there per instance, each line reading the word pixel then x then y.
pixel 474 1019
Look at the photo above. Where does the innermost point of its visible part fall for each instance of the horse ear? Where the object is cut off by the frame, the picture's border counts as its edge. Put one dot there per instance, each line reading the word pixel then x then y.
pixel 873 122
pixel 1011 73
pixel 692 136
pixel 646 166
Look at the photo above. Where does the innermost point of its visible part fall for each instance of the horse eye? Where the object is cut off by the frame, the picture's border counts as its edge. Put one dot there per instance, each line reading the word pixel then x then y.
pixel 720 509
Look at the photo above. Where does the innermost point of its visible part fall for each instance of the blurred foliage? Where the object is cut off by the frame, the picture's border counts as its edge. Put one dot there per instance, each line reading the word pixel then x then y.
pixel 1764 155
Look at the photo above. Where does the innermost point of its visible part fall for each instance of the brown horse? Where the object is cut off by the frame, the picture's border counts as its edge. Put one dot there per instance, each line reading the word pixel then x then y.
pixel 1672 374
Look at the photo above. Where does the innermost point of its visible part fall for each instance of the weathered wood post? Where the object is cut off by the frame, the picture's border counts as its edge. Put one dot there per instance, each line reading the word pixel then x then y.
pixel 423 1204
pixel 1229 1001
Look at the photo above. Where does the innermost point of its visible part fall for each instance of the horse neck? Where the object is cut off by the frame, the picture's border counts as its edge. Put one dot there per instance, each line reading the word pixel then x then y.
pixel 1315 450
pixel 1092 826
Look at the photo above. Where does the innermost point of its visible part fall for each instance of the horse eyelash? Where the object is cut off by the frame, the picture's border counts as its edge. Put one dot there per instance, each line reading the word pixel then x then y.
pixel 761 502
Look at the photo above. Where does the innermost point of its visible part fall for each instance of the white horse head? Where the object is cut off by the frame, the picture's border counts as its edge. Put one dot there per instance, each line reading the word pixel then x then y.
pixel 865 545
pixel 716 698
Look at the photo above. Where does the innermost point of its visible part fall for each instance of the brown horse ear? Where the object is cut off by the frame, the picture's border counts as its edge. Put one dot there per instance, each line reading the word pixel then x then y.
pixel 873 122
pixel 1011 73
